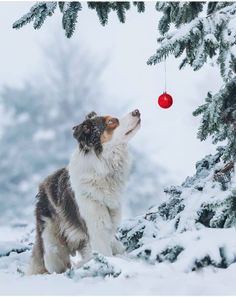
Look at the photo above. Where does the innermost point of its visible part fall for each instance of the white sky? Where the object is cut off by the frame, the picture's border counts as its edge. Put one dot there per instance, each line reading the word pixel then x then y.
pixel 168 135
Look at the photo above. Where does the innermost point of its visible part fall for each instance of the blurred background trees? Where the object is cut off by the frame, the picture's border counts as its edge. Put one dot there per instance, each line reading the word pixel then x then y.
pixel 37 139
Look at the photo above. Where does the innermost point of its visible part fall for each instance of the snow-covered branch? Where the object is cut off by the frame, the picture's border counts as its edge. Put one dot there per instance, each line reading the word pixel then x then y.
pixel 203 38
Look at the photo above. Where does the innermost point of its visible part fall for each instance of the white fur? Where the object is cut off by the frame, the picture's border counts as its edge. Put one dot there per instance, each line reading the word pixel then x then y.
pixel 97 183
pixel 56 255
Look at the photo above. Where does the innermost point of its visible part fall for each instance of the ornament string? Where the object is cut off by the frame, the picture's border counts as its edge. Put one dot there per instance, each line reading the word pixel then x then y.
pixel 165 73
pixel 165 100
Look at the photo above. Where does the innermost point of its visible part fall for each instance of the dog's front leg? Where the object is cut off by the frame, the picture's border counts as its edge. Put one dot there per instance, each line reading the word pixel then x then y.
pixel 115 214
pixel 99 225
pixel 117 246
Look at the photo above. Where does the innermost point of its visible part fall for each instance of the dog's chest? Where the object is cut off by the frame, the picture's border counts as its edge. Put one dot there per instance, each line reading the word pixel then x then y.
pixel 99 179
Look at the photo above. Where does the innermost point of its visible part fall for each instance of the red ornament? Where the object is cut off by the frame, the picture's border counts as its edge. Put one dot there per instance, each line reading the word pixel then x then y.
pixel 165 100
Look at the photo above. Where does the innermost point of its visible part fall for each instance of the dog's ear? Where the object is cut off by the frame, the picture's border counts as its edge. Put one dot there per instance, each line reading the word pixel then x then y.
pixel 79 130
pixel 91 115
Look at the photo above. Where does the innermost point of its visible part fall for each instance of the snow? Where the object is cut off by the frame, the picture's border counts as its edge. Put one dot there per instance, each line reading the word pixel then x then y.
pixel 8 247
pixel 195 246
pixel 137 277
pixel 126 274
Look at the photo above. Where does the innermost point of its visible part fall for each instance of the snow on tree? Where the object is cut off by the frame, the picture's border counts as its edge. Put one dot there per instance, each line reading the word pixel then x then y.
pixel 41 10
pixel 194 227
pixel 99 266
pixel 219 118
pixel 6 248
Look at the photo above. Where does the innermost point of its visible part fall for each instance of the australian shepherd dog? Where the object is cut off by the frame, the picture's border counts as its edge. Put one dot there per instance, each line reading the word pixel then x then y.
pixel 78 207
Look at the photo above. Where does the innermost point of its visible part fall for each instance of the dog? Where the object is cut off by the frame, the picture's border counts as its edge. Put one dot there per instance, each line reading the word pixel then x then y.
pixel 78 207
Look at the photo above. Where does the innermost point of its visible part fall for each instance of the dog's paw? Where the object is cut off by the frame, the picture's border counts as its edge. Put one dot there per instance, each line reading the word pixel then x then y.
pixel 117 247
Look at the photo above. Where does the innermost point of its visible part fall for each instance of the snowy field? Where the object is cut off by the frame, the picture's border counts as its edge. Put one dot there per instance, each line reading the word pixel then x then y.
pixel 128 276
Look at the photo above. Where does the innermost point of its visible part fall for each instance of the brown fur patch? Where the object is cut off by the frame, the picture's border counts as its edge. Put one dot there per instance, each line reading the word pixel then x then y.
pixel 111 125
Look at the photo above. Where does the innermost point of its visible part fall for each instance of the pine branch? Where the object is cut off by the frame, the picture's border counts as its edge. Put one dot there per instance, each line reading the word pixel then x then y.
pixel 61 6
pixel 121 8
pixel 219 118
pixel 198 41
pixel 38 12
pixel 70 15
pixel 102 9
pixel 41 10
pixel 140 6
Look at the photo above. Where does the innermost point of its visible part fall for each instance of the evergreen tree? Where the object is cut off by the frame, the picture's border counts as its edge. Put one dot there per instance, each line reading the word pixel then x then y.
pixel 194 227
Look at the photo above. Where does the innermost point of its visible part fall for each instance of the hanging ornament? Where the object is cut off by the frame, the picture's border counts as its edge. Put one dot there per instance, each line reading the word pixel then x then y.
pixel 165 100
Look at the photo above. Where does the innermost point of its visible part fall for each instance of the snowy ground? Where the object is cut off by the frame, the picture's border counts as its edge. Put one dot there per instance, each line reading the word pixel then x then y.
pixel 128 276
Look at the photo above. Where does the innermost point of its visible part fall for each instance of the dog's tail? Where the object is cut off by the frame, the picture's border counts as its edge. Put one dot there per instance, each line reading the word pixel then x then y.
pixel 37 265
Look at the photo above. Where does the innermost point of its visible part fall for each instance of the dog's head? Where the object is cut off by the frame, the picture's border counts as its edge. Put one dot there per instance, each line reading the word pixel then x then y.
pixel 96 131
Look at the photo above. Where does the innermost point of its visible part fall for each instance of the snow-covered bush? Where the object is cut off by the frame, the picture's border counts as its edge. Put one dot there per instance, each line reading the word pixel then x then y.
pixel 189 227
pixel 99 266
pixel 6 248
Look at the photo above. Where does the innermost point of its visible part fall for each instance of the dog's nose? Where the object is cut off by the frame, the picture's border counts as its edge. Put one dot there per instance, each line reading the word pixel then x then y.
pixel 136 113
